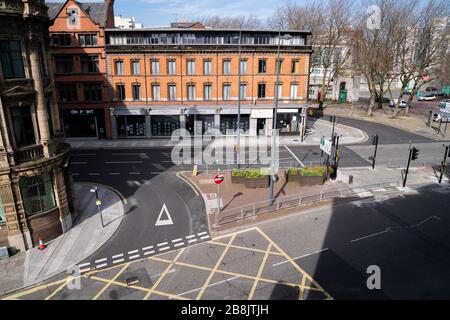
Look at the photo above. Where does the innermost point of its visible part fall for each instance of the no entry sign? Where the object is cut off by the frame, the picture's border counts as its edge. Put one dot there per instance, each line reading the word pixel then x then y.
pixel 218 179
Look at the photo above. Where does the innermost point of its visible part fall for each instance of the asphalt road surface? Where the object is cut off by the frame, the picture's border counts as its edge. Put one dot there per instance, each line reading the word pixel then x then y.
pixel 321 253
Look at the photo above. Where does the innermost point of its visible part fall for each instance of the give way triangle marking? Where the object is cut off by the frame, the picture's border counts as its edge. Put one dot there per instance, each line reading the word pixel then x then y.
pixel 166 221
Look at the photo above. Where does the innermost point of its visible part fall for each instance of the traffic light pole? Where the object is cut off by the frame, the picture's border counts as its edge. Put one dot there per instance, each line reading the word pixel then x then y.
pixel 375 152
pixel 407 167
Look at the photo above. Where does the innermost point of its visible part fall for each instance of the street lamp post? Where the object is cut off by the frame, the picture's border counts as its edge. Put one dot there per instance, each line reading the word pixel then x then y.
pixel 274 120
pixel 239 102
pixel 98 203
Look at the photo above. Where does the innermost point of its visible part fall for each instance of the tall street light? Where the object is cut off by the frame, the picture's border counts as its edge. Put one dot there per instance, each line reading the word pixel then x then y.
pixel 274 122
pixel 239 102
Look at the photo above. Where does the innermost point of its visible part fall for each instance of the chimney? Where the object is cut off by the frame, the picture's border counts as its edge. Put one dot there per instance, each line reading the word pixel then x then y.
pixel 109 14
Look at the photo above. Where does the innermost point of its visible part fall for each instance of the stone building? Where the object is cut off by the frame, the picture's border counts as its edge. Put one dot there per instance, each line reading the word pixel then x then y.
pixel 36 188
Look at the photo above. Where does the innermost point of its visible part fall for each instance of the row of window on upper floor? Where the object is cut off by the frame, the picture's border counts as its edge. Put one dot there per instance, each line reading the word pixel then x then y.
pixel 66 40
pixel 92 92
pixel 223 38
pixel 171 67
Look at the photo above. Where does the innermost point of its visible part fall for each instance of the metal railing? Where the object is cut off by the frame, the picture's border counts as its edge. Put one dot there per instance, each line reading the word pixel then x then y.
pixel 294 200
pixel 28 153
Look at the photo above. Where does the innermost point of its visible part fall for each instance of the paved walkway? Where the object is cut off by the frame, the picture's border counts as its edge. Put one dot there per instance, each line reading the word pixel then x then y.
pixel 87 236
pixel 318 128
pixel 416 123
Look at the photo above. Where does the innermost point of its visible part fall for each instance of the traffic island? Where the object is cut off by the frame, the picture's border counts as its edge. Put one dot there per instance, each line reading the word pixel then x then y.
pixel 239 194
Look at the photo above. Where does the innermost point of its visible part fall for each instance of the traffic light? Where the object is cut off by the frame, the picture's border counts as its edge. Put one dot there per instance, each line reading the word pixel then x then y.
pixel 375 139
pixel 415 153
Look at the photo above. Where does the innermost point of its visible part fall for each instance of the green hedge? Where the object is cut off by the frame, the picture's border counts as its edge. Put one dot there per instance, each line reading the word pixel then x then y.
pixel 249 173
pixel 316 171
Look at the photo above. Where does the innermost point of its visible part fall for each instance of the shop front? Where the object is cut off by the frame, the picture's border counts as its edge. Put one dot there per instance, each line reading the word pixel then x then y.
pixel 288 121
pixel 129 126
pixel 84 123
pixel 204 123
pixel 229 123
pixel 163 126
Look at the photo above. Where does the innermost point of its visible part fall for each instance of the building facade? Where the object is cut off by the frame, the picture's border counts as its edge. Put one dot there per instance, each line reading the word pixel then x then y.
pixel 36 188
pixel 163 79
pixel 79 66
pixel 126 23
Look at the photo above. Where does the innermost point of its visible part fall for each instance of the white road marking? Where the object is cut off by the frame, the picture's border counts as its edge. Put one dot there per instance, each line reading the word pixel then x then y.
pixel 84 264
pixel 148 252
pixel 204 237
pixel 85 270
pixel 166 221
pixel 179 244
pixel 100 260
pixel 202 233
pixel 136 173
pixel 117 256
pixel 370 235
pixel 155 172
pixel 163 249
pixel 212 284
pixel 101 265
pixel 93 174
pixel 295 157
pixel 147 248
pixel 133 251
pixel 118 261
pixel 299 257
pixel 75 174
pixel 162 244
pixel 78 162
pixel 190 236
pixel 192 240
pixel 134 257
pixel 122 162
pixel 177 240
pixel 84 154
pixel 114 173
pixel 128 154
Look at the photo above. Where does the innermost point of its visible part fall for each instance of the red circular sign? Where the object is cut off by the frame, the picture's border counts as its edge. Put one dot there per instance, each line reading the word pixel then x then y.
pixel 218 179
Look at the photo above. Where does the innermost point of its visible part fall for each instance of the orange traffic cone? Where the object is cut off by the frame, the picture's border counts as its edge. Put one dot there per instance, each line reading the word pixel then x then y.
pixel 41 246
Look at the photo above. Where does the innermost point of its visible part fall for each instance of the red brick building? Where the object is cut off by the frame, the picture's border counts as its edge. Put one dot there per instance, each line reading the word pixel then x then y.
pixel 79 65
pixel 167 78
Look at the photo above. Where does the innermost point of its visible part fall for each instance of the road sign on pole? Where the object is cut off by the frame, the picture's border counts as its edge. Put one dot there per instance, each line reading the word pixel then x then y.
pixel 325 145
pixel 218 179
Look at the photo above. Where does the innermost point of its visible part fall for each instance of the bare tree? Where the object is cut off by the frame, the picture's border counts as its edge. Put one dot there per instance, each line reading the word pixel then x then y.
pixel 431 47
pixel 330 24
pixel 375 47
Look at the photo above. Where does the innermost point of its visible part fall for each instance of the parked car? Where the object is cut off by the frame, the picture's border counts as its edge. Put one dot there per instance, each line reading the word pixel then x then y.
pixel 427 97
pixel 437 118
pixel 407 93
pixel 431 89
pixel 393 102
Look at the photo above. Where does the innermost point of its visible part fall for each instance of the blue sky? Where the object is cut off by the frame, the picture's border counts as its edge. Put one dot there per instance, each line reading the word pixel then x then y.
pixel 162 12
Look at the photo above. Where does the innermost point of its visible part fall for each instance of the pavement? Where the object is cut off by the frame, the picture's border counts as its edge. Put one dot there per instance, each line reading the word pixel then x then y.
pixel 87 235
pixel 416 122
pixel 318 128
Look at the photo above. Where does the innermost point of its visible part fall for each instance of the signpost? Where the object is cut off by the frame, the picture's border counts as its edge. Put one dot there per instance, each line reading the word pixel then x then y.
pixel 325 145
pixel 218 179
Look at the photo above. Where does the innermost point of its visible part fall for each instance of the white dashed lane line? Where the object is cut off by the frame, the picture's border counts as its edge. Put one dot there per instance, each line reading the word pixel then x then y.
pixel 146 251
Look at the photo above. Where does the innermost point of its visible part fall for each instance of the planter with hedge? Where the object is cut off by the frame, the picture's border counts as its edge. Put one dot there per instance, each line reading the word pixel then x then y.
pixel 252 178
pixel 306 176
